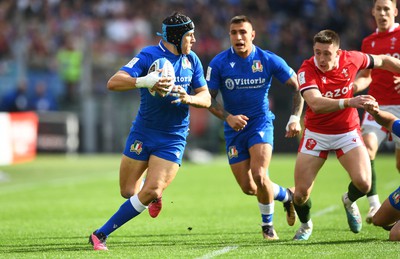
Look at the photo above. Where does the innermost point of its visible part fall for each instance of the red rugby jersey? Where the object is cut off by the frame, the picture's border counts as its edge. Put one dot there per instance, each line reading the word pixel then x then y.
pixel 336 83
pixel 388 43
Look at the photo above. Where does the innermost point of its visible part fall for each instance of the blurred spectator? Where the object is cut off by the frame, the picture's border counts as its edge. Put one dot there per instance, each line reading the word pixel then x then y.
pixel 16 99
pixel 43 99
pixel 70 60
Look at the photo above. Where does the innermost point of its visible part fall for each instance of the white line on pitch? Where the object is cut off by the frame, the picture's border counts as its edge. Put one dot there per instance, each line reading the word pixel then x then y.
pixel 218 252
pixel 325 211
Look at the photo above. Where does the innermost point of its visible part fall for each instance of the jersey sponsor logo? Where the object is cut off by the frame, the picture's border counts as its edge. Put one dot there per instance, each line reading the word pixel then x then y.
pixel 311 143
pixel 232 64
pixel 137 147
pixel 132 62
pixel 338 92
pixel 186 63
pixel 232 152
pixel 244 83
pixel 257 66
pixel 302 78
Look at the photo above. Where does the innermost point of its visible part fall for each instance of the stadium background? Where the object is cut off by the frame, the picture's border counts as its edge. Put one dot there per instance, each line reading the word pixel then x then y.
pixel 38 36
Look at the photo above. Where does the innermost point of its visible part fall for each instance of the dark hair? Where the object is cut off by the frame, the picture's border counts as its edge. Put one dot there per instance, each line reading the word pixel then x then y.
pixel 394 2
pixel 327 37
pixel 240 19
pixel 174 27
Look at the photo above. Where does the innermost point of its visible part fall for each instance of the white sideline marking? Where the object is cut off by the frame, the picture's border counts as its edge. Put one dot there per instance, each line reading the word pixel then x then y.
pixel 218 252
pixel 325 211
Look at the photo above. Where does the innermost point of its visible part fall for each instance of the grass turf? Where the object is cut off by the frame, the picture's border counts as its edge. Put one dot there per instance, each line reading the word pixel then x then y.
pixel 50 206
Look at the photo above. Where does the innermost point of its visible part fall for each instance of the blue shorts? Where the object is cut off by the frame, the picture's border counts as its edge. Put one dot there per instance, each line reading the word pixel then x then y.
pixel 141 143
pixel 258 130
pixel 394 199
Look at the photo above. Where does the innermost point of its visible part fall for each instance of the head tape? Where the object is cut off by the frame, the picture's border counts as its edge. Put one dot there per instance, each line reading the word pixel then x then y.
pixel 174 28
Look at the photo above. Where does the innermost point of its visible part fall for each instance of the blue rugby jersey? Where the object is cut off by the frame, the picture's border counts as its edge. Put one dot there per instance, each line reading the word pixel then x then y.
pixel 156 112
pixel 244 82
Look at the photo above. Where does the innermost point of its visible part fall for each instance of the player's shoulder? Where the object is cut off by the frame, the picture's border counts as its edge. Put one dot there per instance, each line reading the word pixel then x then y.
pixel 221 57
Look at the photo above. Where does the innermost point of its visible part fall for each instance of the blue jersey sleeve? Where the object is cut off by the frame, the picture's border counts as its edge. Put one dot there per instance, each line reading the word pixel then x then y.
pixel 281 70
pixel 396 128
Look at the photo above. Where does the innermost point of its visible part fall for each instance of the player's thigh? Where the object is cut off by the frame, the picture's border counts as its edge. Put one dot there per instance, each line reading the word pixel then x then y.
pixel 130 175
pixel 260 157
pixel 358 166
pixel 306 170
pixel 241 172
pixel 371 143
pixel 160 174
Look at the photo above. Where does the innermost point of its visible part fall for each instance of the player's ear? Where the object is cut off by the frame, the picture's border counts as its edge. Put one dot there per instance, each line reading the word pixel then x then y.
pixel 396 12
pixel 338 52
pixel 253 34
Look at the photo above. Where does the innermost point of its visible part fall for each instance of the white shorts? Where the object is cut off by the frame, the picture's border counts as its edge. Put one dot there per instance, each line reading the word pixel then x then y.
pixel 370 126
pixel 317 144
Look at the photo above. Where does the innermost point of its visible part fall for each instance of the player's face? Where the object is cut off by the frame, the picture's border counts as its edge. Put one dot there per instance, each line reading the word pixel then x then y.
pixel 242 35
pixel 384 13
pixel 187 42
pixel 326 56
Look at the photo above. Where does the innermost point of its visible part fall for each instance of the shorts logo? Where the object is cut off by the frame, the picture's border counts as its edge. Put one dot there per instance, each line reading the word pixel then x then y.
pixel 311 143
pixel 137 147
pixel 232 152
pixel 396 197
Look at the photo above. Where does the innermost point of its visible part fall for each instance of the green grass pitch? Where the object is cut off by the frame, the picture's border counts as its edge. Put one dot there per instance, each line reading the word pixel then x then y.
pixel 48 208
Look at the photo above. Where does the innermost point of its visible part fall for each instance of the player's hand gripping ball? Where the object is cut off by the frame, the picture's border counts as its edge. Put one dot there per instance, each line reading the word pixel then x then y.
pixel 167 71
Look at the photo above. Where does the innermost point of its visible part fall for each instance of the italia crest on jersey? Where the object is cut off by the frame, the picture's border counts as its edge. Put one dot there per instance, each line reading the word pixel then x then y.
pixel 186 63
pixel 137 147
pixel 232 152
pixel 257 66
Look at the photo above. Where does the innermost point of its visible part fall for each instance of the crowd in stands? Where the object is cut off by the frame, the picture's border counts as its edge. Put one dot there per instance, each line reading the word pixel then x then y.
pixel 55 42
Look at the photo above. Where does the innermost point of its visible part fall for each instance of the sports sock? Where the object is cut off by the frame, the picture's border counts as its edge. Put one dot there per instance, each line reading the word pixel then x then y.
pixel 373 180
pixel 303 211
pixel 280 193
pixel 128 210
pixel 374 201
pixel 267 213
pixel 354 193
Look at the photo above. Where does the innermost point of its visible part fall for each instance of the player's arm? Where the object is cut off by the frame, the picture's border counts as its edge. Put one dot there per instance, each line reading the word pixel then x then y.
pixel 362 81
pixel 236 122
pixel 384 118
pixel 201 98
pixel 386 62
pixel 122 81
pixel 293 127
pixel 320 104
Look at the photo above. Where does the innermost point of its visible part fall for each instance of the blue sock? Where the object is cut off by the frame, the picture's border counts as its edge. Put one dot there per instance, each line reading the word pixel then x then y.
pixel 125 213
pixel 279 193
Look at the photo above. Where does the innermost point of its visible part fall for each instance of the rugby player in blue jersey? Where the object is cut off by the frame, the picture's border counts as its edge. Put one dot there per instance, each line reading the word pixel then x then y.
pixel 388 214
pixel 243 75
pixel 158 134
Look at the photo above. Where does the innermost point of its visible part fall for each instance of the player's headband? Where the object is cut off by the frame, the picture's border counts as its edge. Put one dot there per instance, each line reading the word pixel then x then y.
pixel 173 33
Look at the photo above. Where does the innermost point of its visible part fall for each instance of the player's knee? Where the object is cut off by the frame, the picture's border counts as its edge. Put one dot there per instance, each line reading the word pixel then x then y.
pixel 126 193
pixel 249 190
pixel 300 198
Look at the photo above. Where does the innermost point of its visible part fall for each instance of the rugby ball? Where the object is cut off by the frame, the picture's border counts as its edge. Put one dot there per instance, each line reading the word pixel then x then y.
pixel 167 70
